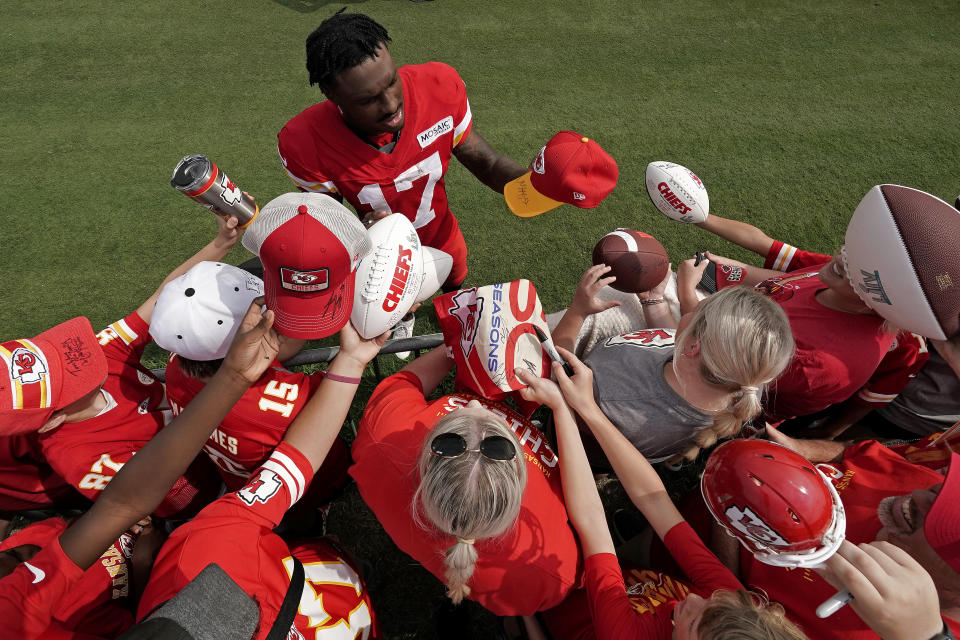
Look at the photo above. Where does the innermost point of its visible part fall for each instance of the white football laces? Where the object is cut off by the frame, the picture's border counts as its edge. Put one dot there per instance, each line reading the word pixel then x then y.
pixel 375 277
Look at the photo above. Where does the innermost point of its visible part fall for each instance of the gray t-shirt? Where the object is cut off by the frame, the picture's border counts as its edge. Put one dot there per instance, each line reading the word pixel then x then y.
pixel 630 389
pixel 930 403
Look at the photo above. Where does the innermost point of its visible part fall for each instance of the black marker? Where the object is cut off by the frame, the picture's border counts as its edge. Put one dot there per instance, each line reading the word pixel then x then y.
pixel 547 343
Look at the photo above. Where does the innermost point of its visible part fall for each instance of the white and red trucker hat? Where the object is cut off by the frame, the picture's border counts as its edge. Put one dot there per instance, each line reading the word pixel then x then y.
pixel 571 169
pixel 42 374
pixel 197 314
pixel 310 246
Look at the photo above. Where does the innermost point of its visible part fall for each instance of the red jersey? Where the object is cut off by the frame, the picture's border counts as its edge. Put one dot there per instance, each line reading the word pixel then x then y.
pixel 97 602
pixel 868 473
pixel 532 566
pixel 31 595
pixel 838 354
pixel 256 424
pixel 638 603
pixel 236 533
pixel 321 154
pixel 26 481
pixel 89 453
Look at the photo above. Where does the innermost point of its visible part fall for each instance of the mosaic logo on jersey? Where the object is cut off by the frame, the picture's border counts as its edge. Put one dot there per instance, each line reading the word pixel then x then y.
pixel 429 135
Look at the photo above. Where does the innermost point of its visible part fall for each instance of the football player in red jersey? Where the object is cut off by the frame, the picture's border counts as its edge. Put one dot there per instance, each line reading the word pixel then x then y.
pixel 382 140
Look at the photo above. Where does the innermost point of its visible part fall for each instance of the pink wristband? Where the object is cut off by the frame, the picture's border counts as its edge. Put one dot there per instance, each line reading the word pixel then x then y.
pixel 344 379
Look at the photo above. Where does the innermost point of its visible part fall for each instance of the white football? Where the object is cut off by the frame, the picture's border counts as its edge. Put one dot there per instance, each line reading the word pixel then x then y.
pixel 677 192
pixel 389 277
pixel 436 270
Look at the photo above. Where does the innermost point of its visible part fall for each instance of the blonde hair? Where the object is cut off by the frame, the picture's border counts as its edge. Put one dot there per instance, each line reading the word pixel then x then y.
pixel 471 496
pixel 744 615
pixel 745 343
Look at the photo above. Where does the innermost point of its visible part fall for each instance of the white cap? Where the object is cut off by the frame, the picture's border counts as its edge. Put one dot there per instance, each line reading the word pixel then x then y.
pixel 197 314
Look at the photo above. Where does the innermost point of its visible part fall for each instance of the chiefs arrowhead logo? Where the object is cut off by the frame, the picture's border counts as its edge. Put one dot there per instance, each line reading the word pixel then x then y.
pixel 467 308
pixel 230 193
pixel 539 165
pixel 749 523
pixel 265 486
pixel 27 368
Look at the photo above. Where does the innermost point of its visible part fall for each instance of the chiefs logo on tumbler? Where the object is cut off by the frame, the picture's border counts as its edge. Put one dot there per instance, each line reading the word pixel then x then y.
pixel 230 193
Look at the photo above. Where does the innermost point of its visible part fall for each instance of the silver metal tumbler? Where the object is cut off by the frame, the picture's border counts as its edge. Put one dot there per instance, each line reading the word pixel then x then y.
pixel 199 178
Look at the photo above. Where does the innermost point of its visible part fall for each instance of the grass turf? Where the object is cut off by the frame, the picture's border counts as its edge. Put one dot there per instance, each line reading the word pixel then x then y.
pixel 788 112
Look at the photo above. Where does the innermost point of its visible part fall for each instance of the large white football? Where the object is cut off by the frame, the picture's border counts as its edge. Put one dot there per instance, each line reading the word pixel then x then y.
pixel 677 192
pixel 436 270
pixel 389 277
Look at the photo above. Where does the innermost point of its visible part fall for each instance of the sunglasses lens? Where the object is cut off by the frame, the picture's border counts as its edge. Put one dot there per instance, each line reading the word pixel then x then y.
pixel 448 445
pixel 498 448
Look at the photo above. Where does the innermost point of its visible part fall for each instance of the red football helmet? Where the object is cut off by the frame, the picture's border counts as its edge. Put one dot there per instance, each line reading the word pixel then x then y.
pixel 778 504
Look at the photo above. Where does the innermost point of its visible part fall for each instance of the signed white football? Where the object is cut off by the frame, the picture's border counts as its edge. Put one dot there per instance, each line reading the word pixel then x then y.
pixel 677 192
pixel 436 269
pixel 389 277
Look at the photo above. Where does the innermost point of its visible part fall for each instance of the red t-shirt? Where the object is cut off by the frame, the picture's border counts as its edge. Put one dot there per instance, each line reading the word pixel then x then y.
pixel 89 453
pixel 531 567
pixel 838 354
pixel 26 481
pixel 236 533
pixel 31 595
pixel 321 154
pixel 256 424
pixel 638 603
pixel 868 473
pixel 97 602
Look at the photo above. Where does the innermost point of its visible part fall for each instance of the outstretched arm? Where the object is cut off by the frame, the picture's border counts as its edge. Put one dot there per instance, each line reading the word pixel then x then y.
pixel 582 501
pixel 317 425
pixel 489 166
pixel 739 233
pixel 143 482
pixel 227 236
pixel 639 479
pixel 585 302
pixel 813 450
pixel 431 368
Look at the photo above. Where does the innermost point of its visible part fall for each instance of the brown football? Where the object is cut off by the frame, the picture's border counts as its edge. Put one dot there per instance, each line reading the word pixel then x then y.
pixel 637 260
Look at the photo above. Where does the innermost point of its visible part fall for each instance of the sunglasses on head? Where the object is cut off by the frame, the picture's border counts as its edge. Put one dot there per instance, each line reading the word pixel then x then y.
pixel 452 445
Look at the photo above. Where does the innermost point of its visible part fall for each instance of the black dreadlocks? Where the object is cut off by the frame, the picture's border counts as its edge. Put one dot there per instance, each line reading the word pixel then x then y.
pixel 342 41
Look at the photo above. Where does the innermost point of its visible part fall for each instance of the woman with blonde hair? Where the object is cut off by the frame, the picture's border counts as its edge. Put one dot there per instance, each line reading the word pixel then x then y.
pixel 677 388
pixel 706 603
pixel 468 488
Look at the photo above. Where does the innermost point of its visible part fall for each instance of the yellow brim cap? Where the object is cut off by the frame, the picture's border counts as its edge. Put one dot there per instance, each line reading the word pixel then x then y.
pixel 524 200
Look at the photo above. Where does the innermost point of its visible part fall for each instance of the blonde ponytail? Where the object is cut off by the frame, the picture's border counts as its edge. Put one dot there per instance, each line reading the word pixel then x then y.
pixel 470 496
pixel 745 343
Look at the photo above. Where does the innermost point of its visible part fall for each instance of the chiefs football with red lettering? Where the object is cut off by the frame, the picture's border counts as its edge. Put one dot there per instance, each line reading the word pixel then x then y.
pixel 677 192
pixel 389 277
pixel 637 259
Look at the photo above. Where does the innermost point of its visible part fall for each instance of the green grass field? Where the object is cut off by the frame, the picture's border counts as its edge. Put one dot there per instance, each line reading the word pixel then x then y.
pixel 789 112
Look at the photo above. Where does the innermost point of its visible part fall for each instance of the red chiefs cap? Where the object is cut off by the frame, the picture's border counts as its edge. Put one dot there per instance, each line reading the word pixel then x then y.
pixel 942 524
pixel 46 373
pixel 310 246
pixel 571 169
